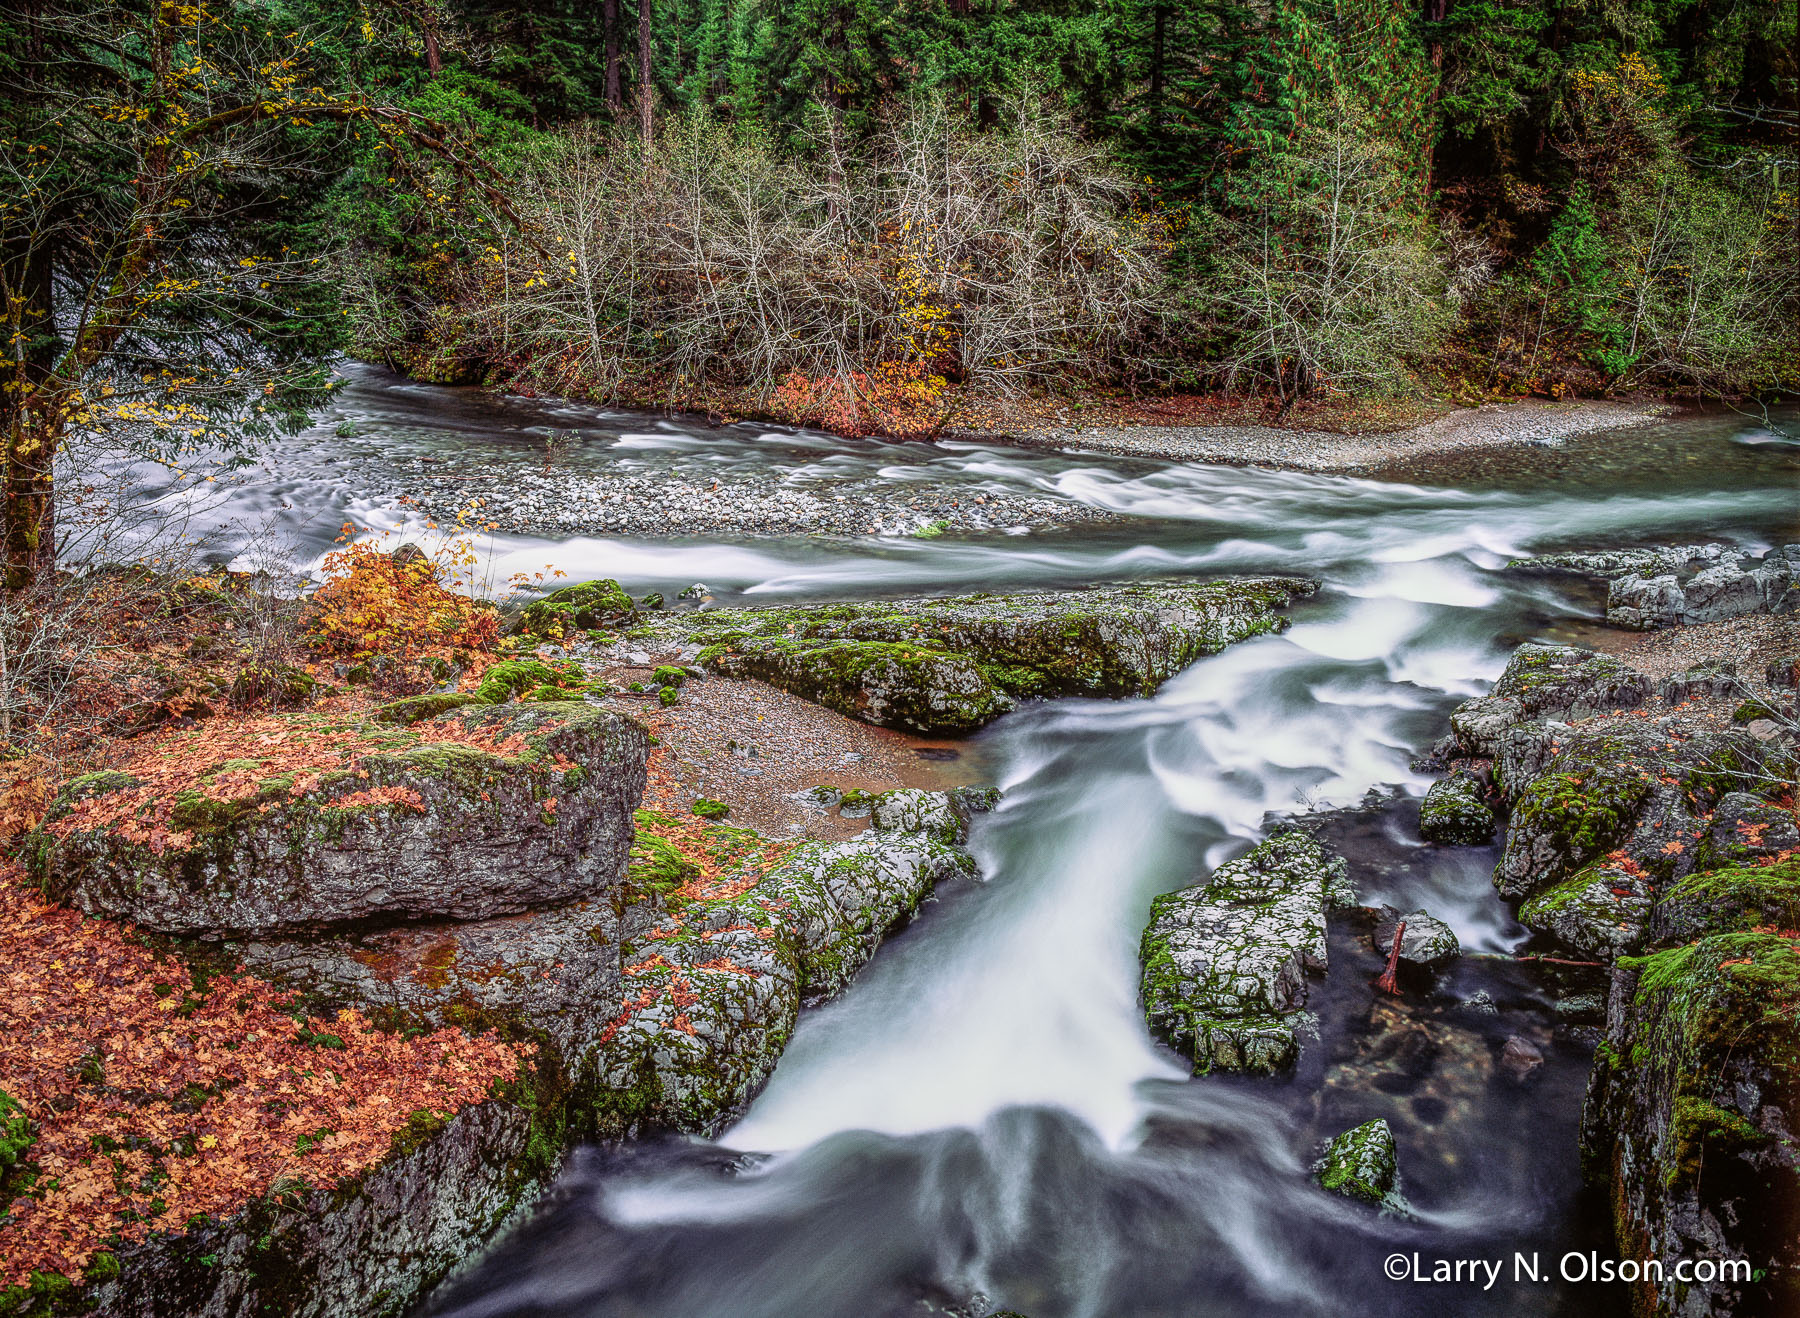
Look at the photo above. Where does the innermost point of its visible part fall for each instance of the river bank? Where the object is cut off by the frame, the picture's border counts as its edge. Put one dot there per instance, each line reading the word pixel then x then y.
pixel 1408 453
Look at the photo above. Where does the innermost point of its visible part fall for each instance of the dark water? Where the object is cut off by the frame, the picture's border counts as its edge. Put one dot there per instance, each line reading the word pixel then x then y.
pixel 982 1122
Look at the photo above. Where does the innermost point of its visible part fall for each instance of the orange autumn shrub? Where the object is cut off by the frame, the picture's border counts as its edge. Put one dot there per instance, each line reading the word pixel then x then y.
pixel 401 605
pixel 154 1099
pixel 901 399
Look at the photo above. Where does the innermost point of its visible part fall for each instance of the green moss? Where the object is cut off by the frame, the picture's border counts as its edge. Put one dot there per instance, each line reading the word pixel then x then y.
pixel 15 1133
pixel 1584 814
pixel 1752 710
pixel 415 709
pixel 668 675
pixel 1698 1128
pixel 707 809
pixel 1738 899
pixel 195 812
pixel 585 606
pixel 667 696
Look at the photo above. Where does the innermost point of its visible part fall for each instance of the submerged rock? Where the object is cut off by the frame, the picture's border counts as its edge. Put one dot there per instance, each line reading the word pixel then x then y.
pixel 1455 811
pixel 1520 1059
pixel 531 806
pixel 1361 1163
pixel 951 665
pixel 1225 962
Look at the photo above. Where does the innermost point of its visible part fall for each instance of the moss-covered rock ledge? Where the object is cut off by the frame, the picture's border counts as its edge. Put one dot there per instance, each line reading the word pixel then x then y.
pixel 948 666
pixel 1646 833
pixel 304 821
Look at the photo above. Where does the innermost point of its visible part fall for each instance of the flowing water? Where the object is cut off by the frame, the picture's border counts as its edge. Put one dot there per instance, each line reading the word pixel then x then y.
pixel 982 1122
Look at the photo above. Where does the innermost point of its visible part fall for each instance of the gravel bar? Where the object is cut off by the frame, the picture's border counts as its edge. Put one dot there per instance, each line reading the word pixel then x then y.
pixel 1532 421
pixel 559 503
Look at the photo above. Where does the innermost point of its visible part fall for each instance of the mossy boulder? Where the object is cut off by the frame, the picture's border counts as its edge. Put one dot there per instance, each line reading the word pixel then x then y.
pixel 1455 811
pixel 414 709
pixel 1731 900
pixel 1226 962
pixel 943 815
pixel 426 828
pixel 375 1244
pixel 1642 787
pixel 1601 910
pixel 1361 1163
pixel 890 684
pixel 948 666
pixel 574 609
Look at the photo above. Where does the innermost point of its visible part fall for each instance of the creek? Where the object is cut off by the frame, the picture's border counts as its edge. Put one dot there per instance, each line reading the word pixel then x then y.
pixel 982 1122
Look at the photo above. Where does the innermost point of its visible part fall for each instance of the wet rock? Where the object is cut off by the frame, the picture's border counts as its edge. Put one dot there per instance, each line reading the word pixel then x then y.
pixel 1225 962
pixel 1427 944
pixel 1637 786
pixel 1689 1118
pixel 1478 724
pixel 1682 584
pixel 1602 910
pixel 712 994
pixel 1645 603
pixel 1479 1003
pixel 952 665
pixel 1564 681
pixel 1520 1059
pixel 426 830
pixel 1608 564
pixel 943 815
pixel 1455 811
pixel 1360 1164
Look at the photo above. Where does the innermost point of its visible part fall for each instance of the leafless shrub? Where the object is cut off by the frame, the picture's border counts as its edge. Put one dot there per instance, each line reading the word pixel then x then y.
pixel 1006 257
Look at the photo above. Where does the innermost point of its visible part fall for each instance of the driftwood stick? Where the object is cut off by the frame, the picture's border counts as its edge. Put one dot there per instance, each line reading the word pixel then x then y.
pixel 1387 983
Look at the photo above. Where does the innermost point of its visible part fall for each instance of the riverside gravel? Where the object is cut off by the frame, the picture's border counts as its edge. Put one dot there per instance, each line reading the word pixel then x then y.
pixel 1530 421
pixel 577 503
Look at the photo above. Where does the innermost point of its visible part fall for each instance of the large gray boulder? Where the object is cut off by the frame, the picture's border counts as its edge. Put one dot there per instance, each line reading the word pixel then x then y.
pixel 1226 962
pixel 485 811
pixel 952 665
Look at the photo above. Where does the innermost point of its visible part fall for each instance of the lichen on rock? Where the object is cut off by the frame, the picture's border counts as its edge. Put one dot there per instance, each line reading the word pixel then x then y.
pixel 951 665
pixel 1225 962
pixel 1361 1163
pixel 1455 811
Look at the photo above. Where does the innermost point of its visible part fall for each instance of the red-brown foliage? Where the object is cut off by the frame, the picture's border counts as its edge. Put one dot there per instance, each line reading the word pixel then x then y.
pixel 153 1101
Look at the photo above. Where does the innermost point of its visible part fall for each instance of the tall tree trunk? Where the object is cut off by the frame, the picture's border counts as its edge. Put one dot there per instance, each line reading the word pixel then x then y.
pixel 646 93
pixel 609 19
pixel 29 419
pixel 434 61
